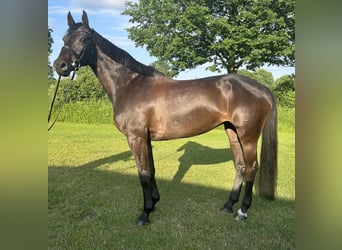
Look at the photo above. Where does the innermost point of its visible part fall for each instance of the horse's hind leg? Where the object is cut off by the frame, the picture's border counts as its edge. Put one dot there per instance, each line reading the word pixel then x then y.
pixel 251 167
pixel 246 165
pixel 239 164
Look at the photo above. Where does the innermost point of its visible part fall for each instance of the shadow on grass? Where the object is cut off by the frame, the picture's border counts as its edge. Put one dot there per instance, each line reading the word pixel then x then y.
pixel 88 175
pixel 124 156
pixel 195 153
pixel 89 207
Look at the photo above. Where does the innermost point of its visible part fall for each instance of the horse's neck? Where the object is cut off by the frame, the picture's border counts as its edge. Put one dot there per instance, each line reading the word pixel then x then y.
pixel 115 68
pixel 112 75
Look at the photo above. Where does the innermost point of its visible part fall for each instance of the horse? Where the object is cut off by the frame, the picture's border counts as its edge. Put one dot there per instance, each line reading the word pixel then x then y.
pixel 149 106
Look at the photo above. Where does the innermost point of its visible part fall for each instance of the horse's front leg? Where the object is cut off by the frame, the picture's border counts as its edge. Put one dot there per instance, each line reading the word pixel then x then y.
pixel 142 151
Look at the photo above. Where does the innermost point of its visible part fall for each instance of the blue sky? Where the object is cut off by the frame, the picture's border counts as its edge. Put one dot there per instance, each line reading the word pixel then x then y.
pixel 104 16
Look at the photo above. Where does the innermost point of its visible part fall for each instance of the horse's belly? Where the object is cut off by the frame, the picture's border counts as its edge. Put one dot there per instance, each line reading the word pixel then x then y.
pixel 186 126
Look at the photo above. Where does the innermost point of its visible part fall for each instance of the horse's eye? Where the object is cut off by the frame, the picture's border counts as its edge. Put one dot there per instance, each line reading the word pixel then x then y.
pixel 81 39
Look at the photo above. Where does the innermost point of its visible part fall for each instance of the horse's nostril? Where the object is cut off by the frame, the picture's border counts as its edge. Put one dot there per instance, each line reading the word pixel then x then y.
pixel 76 64
pixel 63 66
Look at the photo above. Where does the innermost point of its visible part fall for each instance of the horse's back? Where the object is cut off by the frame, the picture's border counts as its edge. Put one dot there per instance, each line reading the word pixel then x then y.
pixel 171 109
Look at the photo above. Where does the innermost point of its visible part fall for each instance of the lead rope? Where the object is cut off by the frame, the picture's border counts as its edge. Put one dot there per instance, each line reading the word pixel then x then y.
pixel 54 97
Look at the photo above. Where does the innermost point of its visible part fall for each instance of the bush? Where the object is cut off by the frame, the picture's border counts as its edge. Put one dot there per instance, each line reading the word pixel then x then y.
pixel 285 91
pixel 287 99
pixel 92 111
pixel 85 87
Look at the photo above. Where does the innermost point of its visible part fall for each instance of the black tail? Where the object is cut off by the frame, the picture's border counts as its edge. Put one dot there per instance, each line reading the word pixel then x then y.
pixel 269 155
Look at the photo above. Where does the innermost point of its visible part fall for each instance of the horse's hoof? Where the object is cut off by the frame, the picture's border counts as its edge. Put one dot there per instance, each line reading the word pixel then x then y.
pixel 143 220
pixel 240 216
pixel 142 223
pixel 227 210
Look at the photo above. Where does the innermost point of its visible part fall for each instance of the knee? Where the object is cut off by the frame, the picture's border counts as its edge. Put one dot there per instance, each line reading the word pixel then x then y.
pixel 240 168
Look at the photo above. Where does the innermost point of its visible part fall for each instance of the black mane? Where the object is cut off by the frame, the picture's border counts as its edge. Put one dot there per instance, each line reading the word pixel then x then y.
pixel 122 57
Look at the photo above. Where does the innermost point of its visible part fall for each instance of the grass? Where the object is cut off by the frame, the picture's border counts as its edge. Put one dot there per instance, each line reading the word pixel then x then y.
pixel 95 195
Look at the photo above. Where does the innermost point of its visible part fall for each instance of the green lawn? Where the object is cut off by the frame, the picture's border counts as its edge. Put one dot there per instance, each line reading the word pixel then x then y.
pixel 95 195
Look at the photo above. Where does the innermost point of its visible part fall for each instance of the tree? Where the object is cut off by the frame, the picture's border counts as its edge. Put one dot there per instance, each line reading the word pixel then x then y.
pixel 164 67
pixel 227 34
pixel 285 83
pixel 50 42
pixel 285 90
pixel 263 76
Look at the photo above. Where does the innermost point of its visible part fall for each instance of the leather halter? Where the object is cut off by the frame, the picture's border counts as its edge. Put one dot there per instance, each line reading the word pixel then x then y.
pixel 76 64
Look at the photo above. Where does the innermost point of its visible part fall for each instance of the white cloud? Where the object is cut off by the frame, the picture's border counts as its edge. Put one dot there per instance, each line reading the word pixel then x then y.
pixel 103 6
pixel 58 9
pixel 90 6
pixel 102 3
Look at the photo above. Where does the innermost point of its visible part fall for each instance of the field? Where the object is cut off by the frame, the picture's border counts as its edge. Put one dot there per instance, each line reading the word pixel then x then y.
pixel 95 195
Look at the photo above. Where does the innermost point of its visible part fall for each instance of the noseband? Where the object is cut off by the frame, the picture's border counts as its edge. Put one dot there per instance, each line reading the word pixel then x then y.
pixel 76 64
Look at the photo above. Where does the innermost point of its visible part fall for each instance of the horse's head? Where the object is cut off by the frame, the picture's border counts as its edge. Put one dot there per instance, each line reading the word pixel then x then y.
pixel 78 46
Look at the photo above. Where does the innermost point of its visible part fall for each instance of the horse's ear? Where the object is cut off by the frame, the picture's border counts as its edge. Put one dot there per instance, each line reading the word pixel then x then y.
pixel 85 18
pixel 71 21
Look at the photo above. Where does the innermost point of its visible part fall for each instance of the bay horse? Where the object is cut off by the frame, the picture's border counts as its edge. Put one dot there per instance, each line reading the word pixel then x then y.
pixel 149 106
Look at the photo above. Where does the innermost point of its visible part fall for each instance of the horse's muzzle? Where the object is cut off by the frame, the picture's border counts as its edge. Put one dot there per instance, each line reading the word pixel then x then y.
pixel 62 68
pixel 66 62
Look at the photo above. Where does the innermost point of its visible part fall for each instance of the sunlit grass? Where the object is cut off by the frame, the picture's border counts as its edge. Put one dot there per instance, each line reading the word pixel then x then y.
pixel 95 195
